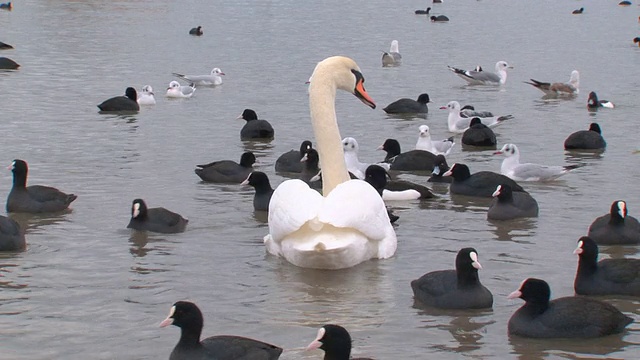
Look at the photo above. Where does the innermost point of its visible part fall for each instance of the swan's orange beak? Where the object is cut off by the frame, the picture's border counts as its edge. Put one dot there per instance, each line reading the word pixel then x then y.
pixel 359 90
pixel 362 94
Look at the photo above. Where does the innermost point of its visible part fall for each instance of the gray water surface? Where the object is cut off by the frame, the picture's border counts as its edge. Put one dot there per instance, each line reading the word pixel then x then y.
pixel 87 288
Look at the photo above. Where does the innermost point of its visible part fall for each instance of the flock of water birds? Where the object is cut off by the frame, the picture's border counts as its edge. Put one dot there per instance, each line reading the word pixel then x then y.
pixel 328 218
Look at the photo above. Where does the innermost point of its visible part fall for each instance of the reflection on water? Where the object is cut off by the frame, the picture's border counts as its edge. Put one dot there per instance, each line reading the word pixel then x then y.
pixel 358 296
pixel 514 230
pixel 526 348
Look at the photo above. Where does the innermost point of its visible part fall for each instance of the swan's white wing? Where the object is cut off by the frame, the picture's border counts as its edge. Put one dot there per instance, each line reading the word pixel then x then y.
pixel 355 204
pixel 292 204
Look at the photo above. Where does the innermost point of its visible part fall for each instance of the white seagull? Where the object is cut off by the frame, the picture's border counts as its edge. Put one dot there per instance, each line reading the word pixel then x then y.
pixel 145 97
pixel 474 77
pixel 175 90
pixel 350 147
pixel 458 124
pixel 215 78
pixel 512 168
pixel 393 57
pixel 558 88
pixel 439 147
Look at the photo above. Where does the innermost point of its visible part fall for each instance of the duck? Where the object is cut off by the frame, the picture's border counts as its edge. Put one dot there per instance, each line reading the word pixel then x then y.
pixel 336 342
pixel 571 88
pixel 175 90
pixel 146 97
pixel 159 220
pixel 454 289
pixel 457 124
pixel 262 197
pixel 291 160
pixel 474 77
pixel 440 167
pixel 11 235
pixel 35 198
pixel 126 103
pixel 586 139
pixel 393 57
pixel 508 205
pixel 227 171
pixel 348 224
pixel 213 79
pixel 439 18
pixel 517 171
pixel 5 46
pixel 442 147
pixel 636 40
pixel 566 317
pixel 412 160
pixel 255 128
pixel 354 166
pixel 409 106
pixel 593 103
pixel 188 317
pixel 197 31
pixel 616 227
pixel 423 12
pixel 480 184
pixel 621 3
pixel 6 6
pixel 578 11
pixel 479 135
pixel 604 277
pixel 376 176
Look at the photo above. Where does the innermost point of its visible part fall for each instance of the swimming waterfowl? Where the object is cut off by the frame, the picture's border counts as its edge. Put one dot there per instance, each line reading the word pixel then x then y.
pixel 126 103
pixel 157 219
pixel 473 77
pixel 348 223
pixel 616 227
pixel 393 57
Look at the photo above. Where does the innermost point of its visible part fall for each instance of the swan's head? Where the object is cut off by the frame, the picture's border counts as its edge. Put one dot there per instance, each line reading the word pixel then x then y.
pixel 508 150
pixel 343 73
pixel 216 71
pixel 350 144
pixel 502 66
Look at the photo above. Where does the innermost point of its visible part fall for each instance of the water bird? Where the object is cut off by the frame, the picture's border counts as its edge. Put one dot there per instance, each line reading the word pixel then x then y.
pixel 566 317
pixel 291 160
pixel 213 79
pixel 227 171
pixel 157 219
pixel 517 171
pixel 255 128
pixel 393 57
pixel 146 96
pixel 473 77
pixel 594 103
pixel 616 227
pixel 558 88
pixel 335 341
pixel 197 31
pixel 263 191
pixel 348 223
pixel 507 205
pixel 409 106
pixel 34 198
pixel 175 90
pixel 586 139
pixel 435 147
pixel 188 317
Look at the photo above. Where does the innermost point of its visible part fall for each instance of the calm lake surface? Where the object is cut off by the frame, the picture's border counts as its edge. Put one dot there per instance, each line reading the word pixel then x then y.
pixel 87 288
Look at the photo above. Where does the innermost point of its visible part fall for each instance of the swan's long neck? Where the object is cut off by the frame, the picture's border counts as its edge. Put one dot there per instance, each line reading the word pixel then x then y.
pixel 322 97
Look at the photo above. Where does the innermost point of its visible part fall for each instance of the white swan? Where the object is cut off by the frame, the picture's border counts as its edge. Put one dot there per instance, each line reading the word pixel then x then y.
pixel 349 224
